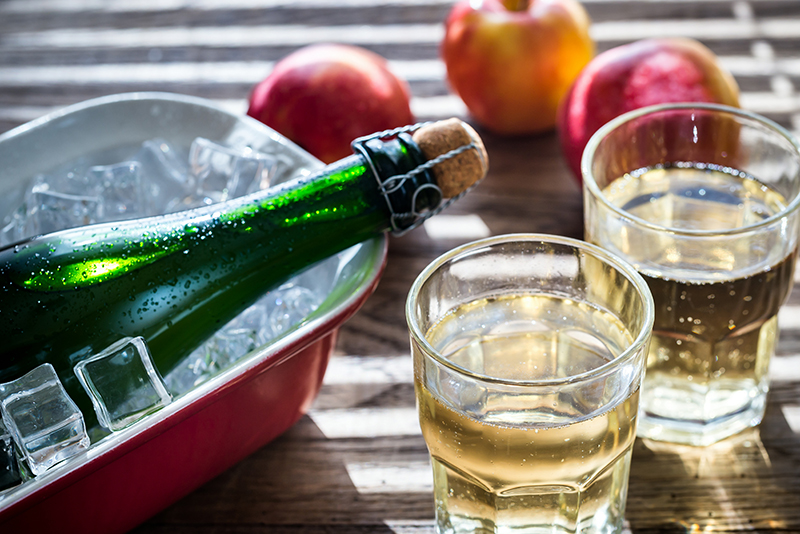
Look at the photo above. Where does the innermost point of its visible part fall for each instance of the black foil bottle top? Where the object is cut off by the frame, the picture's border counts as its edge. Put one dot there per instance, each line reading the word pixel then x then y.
pixel 408 197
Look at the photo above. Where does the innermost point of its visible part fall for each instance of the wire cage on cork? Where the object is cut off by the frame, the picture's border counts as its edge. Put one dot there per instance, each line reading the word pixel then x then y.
pixel 455 156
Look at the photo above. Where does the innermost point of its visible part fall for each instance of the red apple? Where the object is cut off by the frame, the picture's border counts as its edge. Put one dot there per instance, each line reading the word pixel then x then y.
pixel 511 62
pixel 636 75
pixel 324 96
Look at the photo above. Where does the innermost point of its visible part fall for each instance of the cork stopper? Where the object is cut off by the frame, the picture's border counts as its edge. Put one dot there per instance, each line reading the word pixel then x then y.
pixel 456 174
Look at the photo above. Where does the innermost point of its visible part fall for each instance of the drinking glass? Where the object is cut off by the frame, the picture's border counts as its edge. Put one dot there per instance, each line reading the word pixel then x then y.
pixel 702 200
pixel 528 356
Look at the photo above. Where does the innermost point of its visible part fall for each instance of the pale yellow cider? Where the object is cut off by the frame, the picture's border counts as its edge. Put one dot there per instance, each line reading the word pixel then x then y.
pixel 715 321
pixel 544 462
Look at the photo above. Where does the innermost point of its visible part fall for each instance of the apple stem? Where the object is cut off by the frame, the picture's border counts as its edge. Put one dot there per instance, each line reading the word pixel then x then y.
pixel 516 5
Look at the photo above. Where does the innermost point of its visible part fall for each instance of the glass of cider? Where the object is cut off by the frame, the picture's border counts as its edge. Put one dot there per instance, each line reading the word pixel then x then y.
pixel 702 200
pixel 529 352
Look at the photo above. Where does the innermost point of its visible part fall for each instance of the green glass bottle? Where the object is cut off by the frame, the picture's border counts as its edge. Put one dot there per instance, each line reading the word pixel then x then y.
pixel 175 279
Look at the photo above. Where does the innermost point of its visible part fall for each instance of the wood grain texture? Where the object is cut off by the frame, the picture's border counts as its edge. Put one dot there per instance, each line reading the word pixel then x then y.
pixel 54 54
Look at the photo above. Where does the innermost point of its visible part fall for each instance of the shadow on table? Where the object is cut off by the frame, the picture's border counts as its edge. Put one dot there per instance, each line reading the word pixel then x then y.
pixel 296 484
pixel 747 482
pixel 300 484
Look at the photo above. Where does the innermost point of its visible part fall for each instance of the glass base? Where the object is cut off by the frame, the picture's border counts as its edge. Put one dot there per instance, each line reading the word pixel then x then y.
pixel 701 433
pixel 465 506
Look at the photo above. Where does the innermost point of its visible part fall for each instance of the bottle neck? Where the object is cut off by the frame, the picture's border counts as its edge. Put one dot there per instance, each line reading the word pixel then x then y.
pixel 408 194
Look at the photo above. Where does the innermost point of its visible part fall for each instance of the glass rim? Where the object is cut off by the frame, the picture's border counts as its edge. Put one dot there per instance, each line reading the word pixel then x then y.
pixel 594 141
pixel 626 269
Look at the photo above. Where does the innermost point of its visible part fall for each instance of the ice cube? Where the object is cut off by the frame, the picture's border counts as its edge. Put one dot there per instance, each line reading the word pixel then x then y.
pixel 9 468
pixel 11 213
pixel 191 372
pixel 122 190
pixel 49 210
pixel 59 180
pixel 230 344
pixel 123 383
pixel 291 304
pixel 165 176
pixel 47 203
pixel 255 318
pixel 14 225
pixel 44 422
pixel 225 347
pixel 273 315
pixel 228 172
pixel 286 167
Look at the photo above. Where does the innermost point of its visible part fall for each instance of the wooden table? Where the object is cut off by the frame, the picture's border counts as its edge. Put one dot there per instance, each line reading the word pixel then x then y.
pixel 357 463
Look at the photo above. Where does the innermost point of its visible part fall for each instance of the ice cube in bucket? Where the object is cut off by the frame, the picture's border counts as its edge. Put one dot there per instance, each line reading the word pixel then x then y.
pixel 123 383
pixel 43 420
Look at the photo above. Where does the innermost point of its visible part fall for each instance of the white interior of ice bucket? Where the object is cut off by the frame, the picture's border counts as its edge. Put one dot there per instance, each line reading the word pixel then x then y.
pixel 119 120
pixel 110 126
